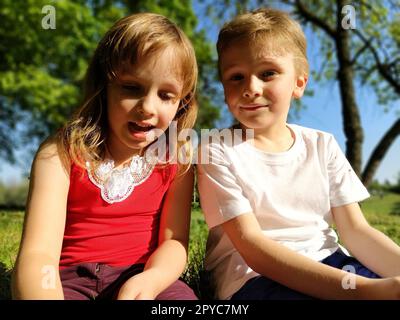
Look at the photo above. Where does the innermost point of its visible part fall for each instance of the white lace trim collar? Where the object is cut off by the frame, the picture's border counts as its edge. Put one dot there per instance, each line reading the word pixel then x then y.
pixel 116 184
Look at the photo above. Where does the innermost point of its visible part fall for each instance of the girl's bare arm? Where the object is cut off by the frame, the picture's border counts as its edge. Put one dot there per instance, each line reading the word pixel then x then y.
pixel 36 272
pixel 168 261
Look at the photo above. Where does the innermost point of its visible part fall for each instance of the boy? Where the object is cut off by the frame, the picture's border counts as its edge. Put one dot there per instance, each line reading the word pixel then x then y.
pixel 269 201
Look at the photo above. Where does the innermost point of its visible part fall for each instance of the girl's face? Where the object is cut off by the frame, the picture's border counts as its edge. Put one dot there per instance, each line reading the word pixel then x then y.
pixel 142 102
pixel 259 85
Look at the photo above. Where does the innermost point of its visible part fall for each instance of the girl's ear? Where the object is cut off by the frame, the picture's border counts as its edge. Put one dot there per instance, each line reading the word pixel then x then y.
pixel 300 86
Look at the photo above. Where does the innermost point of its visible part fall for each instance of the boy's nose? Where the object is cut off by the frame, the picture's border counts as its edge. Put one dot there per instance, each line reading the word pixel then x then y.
pixel 253 88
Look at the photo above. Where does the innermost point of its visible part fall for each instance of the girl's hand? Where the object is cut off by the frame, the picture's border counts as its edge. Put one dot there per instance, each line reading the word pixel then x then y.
pixel 139 287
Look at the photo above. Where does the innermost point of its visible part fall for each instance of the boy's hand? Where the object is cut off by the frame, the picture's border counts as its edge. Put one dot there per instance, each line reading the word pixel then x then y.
pixel 140 287
pixel 381 289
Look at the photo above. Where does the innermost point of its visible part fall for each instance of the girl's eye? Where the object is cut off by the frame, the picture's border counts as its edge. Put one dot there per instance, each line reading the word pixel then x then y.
pixel 132 88
pixel 165 96
pixel 236 77
pixel 268 74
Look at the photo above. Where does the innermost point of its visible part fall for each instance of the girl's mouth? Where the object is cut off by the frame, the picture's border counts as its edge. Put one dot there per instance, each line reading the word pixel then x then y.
pixel 140 126
pixel 140 130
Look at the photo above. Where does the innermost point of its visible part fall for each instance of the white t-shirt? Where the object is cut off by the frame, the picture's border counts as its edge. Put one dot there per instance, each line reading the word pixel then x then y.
pixel 290 193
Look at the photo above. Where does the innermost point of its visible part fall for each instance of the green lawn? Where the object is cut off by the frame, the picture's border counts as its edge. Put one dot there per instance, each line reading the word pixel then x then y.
pixel 382 213
pixel 10 235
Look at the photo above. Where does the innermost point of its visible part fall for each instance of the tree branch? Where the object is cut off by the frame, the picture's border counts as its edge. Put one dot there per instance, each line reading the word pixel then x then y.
pixel 310 17
pixel 382 68
pixel 359 52
pixel 379 152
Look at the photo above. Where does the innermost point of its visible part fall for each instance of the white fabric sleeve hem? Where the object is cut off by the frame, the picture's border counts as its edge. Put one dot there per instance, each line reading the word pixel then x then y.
pixel 348 200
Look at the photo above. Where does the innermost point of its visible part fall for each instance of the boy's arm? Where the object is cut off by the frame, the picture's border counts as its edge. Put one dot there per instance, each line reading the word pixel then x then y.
pixel 275 261
pixel 370 246
pixel 36 272
pixel 168 261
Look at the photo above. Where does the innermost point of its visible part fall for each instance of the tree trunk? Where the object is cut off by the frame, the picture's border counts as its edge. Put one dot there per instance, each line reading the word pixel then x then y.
pixel 351 117
pixel 379 153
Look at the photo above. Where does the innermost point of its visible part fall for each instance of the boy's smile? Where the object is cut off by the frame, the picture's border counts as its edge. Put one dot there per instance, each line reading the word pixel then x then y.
pixel 259 85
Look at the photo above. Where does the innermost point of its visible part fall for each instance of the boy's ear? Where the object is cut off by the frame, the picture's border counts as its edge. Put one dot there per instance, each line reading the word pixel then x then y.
pixel 300 86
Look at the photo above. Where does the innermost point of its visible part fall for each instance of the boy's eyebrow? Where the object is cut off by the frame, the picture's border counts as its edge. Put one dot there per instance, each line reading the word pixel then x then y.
pixel 263 61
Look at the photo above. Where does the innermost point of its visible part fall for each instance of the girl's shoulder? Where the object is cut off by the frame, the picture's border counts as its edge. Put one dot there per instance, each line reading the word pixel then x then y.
pixel 50 154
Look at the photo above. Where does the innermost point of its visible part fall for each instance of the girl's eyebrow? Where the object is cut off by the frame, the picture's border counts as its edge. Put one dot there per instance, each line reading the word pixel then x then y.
pixel 174 86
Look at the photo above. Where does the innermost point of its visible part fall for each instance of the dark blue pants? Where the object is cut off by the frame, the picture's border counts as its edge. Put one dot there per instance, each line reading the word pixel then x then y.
pixel 262 288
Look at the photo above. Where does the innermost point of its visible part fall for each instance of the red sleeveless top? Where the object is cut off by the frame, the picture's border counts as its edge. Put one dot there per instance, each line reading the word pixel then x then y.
pixel 117 234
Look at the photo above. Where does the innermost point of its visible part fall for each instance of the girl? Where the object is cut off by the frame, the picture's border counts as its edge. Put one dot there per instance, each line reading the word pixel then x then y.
pixel 104 219
pixel 269 201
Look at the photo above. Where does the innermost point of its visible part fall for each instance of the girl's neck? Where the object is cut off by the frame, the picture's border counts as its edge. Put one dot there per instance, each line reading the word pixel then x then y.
pixel 121 156
pixel 274 139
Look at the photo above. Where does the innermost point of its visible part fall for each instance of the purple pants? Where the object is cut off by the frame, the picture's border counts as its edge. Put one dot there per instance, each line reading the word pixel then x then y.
pixel 98 281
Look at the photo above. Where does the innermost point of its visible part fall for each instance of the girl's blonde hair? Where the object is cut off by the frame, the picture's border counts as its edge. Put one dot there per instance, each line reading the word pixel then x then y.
pixel 270 27
pixel 128 41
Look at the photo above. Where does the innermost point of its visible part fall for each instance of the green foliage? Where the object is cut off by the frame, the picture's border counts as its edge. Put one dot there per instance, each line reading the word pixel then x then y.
pixel 41 70
pixel 13 195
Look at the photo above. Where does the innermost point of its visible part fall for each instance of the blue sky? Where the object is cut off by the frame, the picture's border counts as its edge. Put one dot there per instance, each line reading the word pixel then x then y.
pixel 322 111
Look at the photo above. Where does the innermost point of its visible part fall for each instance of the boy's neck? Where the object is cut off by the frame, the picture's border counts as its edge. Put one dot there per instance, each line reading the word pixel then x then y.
pixel 274 139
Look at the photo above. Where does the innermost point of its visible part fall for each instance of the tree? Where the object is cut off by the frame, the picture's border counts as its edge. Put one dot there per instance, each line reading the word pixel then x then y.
pixel 41 70
pixel 368 53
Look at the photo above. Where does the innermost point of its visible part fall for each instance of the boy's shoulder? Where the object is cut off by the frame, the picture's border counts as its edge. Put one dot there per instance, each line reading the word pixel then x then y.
pixel 220 144
pixel 312 134
pixel 218 137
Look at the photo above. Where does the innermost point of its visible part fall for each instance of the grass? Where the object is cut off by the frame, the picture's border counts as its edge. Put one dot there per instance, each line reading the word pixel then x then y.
pixel 382 212
pixel 10 236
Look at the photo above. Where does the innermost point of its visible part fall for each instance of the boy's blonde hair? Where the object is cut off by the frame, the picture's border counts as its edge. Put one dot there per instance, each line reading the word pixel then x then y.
pixel 129 40
pixel 270 27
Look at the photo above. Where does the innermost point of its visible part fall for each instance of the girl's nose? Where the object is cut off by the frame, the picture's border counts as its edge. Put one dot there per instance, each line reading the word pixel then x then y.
pixel 253 88
pixel 147 107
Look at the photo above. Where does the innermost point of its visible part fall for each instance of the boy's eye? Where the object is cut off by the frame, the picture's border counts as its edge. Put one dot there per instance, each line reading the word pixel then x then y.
pixel 268 74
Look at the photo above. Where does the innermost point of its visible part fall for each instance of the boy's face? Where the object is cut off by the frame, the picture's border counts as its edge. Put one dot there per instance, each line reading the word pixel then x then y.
pixel 259 84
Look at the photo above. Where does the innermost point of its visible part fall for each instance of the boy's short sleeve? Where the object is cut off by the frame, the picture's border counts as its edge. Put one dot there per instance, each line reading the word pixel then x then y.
pixel 221 195
pixel 344 185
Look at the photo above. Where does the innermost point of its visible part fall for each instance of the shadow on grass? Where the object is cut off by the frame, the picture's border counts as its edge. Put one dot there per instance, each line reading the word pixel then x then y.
pixel 5 280
pixel 395 211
